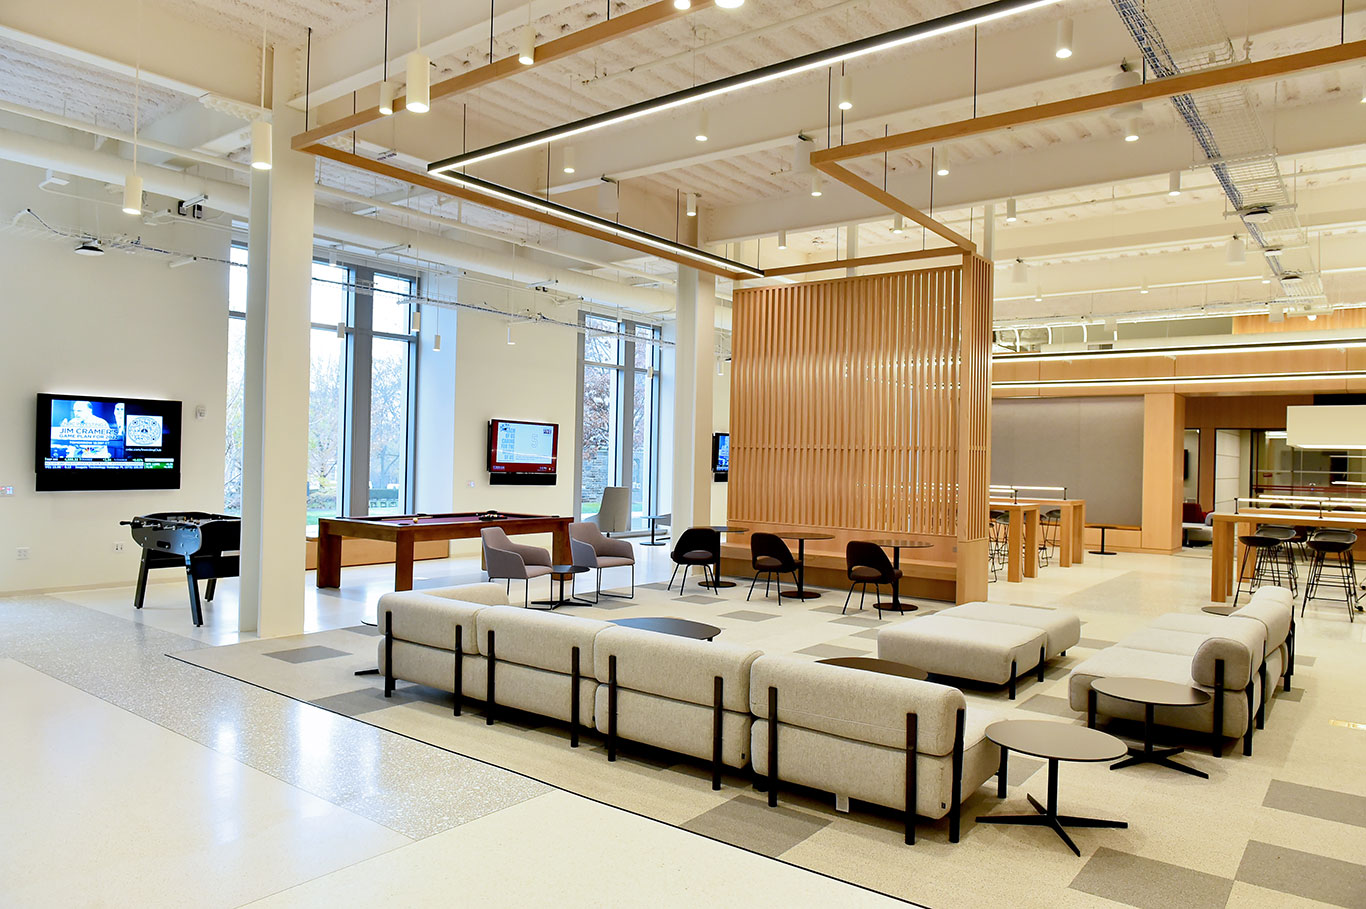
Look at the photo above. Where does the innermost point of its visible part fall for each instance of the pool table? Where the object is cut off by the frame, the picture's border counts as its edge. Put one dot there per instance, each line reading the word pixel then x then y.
pixel 403 530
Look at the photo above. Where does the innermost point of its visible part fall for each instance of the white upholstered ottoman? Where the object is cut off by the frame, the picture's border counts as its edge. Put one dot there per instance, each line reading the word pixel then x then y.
pixel 1061 628
pixel 966 648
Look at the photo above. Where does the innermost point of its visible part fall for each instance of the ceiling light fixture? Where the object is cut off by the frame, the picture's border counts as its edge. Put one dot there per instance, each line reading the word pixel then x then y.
pixel 1143 288
pixel 1126 78
pixel 89 247
pixel 692 205
pixel 260 144
pixel 386 98
pixel 1012 214
pixel 132 194
pixel 1193 350
pixel 943 169
pixel 132 184
pixel 898 224
pixel 682 4
pixel 436 343
pixel 607 195
pixel 801 155
pixel 933 28
pixel 567 159
pixel 846 96
pixel 526 44
pixel 419 94
pixel 1019 272
pixel 1064 46
pixel 415 321
pixel 1312 317
pixel 1174 183
pixel 1235 251
pixel 1131 131
pixel 511 342
pixel 782 239
pixel 1038 296
pixel 702 134
pixel 817 185
pixel 730 4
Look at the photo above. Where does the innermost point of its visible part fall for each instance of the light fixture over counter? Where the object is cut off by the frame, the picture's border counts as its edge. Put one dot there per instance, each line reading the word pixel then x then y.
pixel 942 25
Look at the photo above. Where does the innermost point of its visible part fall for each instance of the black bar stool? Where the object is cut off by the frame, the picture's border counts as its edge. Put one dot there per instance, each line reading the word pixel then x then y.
pixel 1336 544
pixel 999 540
pixel 1288 538
pixel 1050 527
pixel 1268 567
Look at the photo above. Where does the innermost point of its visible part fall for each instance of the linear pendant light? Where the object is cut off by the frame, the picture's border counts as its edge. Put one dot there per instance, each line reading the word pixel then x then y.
pixel 964 19
pixel 494 191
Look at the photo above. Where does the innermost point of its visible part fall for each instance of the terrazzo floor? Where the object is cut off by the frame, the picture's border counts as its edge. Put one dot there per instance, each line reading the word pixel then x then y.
pixel 192 787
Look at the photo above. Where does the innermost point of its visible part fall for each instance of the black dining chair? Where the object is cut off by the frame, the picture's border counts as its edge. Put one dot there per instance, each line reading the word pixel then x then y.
pixel 867 563
pixel 696 546
pixel 770 557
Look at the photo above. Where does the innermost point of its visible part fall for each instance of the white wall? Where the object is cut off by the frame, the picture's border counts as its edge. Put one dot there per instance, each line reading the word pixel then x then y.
pixel 1229 468
pixel 1191 485
pixel 120 324
pixel 533 380
pixel 720 410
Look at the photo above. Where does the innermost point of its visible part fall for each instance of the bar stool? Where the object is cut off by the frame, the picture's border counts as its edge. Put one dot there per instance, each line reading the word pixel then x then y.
pixel 1287 536
pixel 1266 569
pixel 1337 544
pixel 1050 523
pixel 999 539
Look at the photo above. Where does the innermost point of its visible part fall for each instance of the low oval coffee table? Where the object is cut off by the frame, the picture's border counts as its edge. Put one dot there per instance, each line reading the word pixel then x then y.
pixel 683 628
pixel 1151 693
pixel 1054 742
pixel 873 664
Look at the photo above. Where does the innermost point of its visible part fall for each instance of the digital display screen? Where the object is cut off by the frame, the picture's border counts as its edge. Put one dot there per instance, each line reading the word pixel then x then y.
pixel 94 442
pixel 517 447
pixel 720 452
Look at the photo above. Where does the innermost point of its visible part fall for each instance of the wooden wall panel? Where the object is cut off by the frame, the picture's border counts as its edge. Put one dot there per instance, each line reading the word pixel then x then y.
pixel 863 404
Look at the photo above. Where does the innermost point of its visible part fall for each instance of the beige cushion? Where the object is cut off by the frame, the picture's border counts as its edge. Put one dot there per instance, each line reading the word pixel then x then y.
pixel 675 667
pixel 1114 662
pixel 1166 640
pixel 675 725
pixel 874 773
pixel 1272 611
pixel 965 648
pixel 1249 631
pixel 435 668
pixel 543 693
pixel 538 638
pixel 1061 627
pixel 855 704
pixel 430 619
pixel 483 594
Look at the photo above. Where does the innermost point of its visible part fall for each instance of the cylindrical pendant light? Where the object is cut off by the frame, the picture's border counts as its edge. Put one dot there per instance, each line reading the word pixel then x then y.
pixel 1127 78
pixel 260 144
pixel 1131 131
pixel 692 205
pixel 782 239
pixel 846 93
pixel 419 95
pixel 942 169
pixel 386 98
pixel 1011 215
pixel 817 185
pixel 730 4
pixel 436 343
pixel 1143 288
pixel 607 197
pixel 1174 183
pixel 567 159
pixel 132 195
pixel 1019 272
pixel 415 321
pixel 898 224
pixel 701 135
pixel 1235 251
pixel 682 4
pixel 801 156
pixel 1064 46
pixel 526 46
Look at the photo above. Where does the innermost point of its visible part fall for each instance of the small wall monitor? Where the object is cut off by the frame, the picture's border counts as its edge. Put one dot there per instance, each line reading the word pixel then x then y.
pixel 87 442
pixel 720 456
pixel 520 448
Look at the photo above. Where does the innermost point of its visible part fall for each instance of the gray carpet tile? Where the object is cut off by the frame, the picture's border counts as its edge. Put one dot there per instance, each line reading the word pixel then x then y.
pixel 748 615
pixel 863 621
pixel 368 630
pixel 1053 706
pixel 1095 643
pixel 869 634
pixel 1304 874
pixel 355 703
pixel 1328 804
pixel 1020 768
pixel 1294 694
pixel 306 654
pixel 1301 661
pixel 1147 883
pixel 698 599
pixel 749 822
pixel 829 651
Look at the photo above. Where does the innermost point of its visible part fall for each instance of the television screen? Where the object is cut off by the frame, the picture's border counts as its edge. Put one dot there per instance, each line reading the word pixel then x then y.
pixel 517 447
pixel 91 442
pixel 720 452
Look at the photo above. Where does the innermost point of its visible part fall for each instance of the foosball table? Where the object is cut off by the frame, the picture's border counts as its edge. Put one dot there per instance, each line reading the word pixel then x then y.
pixel 207 546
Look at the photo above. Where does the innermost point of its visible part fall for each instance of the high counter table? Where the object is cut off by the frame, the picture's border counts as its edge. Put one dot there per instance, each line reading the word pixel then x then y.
pixel 406 529
pixel 1227 529
pixel 1023 537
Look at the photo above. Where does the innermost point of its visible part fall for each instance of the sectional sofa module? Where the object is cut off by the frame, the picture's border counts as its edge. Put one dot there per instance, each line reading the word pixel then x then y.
pixel 1237 658
pixel 986 642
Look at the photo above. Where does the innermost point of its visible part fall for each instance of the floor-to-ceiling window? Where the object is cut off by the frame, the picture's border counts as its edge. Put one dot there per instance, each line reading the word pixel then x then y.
pixel 619 377
pixel 362 355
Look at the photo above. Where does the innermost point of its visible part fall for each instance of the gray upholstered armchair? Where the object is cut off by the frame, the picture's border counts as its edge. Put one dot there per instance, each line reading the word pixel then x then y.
pixel 614 514
pixel 505 559
pixel 592 549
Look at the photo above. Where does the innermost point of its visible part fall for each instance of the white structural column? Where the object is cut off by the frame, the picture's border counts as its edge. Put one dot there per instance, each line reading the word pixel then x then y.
pixel 275 431
pixel 851 246
pixel 694 364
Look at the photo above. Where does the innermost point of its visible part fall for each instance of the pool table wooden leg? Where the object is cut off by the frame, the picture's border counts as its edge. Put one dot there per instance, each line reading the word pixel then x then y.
pixel 403 563
pixel 562 555
pixel 329 559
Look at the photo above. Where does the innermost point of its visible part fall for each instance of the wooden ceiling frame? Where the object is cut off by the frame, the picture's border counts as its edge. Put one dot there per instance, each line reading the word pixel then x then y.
pixel 556 49
pixel 938 252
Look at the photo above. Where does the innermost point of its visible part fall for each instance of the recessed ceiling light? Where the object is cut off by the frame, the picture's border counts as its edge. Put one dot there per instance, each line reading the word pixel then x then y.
pixel 1174 183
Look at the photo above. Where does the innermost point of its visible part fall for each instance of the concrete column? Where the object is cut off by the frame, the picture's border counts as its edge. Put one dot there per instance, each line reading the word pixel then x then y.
pixel 275 468
pixel 694 365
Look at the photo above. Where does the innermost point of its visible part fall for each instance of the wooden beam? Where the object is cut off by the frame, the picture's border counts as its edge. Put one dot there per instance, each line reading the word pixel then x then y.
pixel 938 252
pixel 881 196
pixel 445 187
pixel 1233 74
pixel 557 49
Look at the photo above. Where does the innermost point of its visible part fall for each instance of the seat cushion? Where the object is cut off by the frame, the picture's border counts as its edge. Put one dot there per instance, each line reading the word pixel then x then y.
pixel 431 619
pixel 767 563
pixel 855 704
pixel 543 693
pixel 675 667
pixel 864 573
pixel 544 640
pixel 696 556
pixel 1115 662
pixel 1061 627
pixel 1273 607
pixel 964 648
pixel 435 668
pixel 614 561
pixel 483 594
pixel 676 726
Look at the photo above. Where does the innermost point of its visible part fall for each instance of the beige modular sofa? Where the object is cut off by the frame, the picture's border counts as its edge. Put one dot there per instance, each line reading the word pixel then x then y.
pixel 1237 658
pixel 905 744
pixel 686 696
pixel 986 642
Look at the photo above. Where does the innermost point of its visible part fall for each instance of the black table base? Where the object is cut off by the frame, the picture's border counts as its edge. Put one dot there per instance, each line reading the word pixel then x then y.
pixel 718 583
pixel 898 606
pixel 563 600
pixel 1048 816
pixel 1102 550
pixel 1149 755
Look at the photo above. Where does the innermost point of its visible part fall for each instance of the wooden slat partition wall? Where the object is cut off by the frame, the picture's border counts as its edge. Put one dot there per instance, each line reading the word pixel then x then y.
pixel 846 409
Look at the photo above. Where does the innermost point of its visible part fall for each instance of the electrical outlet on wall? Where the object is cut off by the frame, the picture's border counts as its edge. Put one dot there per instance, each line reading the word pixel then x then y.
pixel 118 546
pixel 21 553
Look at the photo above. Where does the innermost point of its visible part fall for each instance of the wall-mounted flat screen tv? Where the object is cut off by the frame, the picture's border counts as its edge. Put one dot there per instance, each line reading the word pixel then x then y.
pixel 517 447
pixel 720 454
pixel 89 442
